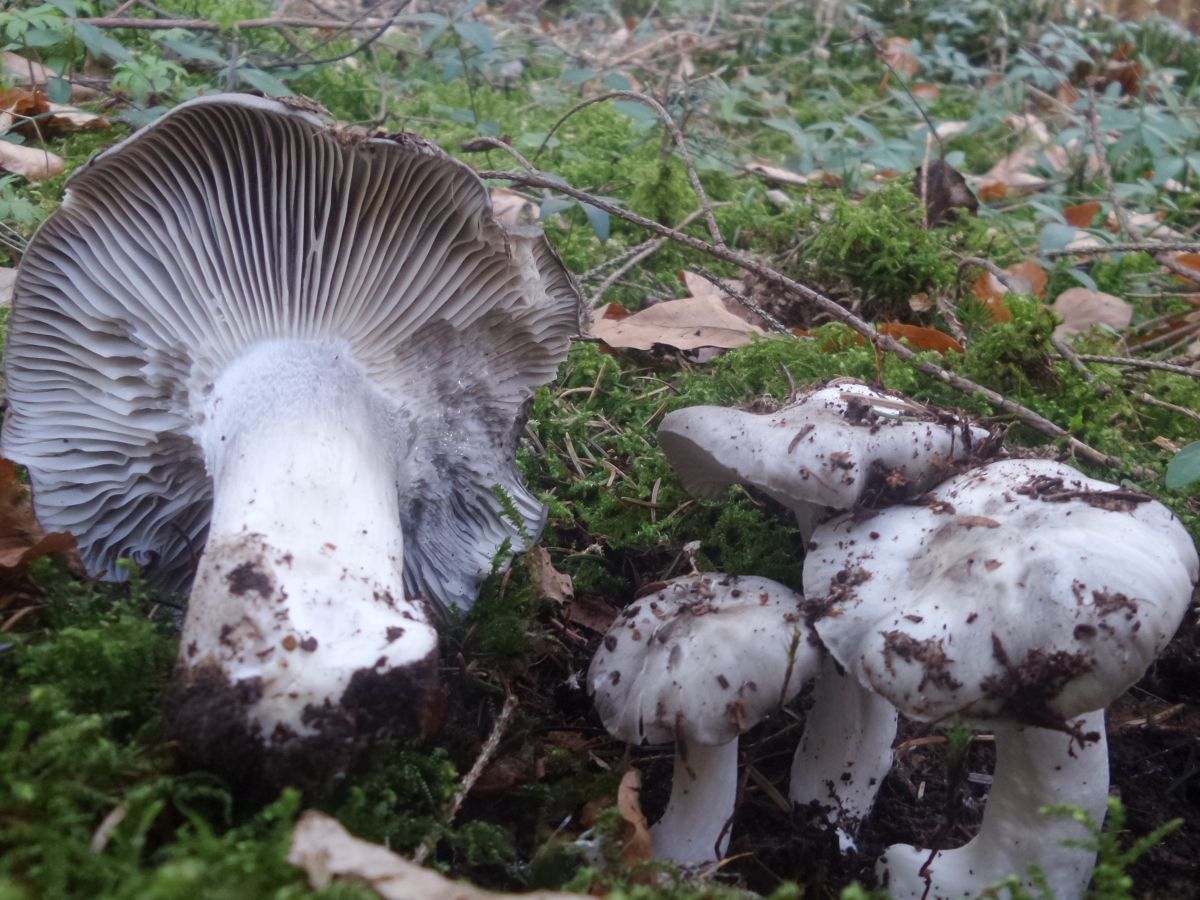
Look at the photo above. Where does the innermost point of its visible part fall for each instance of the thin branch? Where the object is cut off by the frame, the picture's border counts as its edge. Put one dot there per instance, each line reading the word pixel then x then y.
pixel 365 44
pixel 209 25
pixel 835 310
pixel 742 298
pixel 1134 363
pixel 642 253
pixel 676 135
pixel 485 755
pixel 1128 229
pixel 1173 407
pixel 866 36
pixel 1151 247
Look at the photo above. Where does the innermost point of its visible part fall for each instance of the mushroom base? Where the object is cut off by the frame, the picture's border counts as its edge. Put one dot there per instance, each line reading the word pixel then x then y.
pixel 214 721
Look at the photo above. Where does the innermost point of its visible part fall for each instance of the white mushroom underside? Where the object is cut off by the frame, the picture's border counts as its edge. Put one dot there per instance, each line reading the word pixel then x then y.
pixel 235 220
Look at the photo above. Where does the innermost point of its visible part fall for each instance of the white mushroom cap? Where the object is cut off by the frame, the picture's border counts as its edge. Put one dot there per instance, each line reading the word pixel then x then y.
pixel 834 448
pixel 697 663
pixel 1021 590
pixel 703 659
pixel 234 220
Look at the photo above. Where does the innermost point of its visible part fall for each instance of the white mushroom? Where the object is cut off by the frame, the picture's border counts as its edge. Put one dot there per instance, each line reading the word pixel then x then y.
pixel 697 663
pixel 832 449
pixel 1021 594
pixel 309 353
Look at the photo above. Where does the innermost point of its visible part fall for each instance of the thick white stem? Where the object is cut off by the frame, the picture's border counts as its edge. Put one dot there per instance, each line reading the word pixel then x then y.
pixel 300 584
pixel 845 752
pixel 1034 767
pixel 703 795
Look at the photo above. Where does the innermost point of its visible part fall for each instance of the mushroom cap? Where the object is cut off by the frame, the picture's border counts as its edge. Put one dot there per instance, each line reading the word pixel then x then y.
pixel 834 447
pixel 234 220
pixel 704 658
pixel 1022 590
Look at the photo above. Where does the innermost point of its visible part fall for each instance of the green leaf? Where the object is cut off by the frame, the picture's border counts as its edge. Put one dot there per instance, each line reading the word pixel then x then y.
pixel 188 50
pixel 263 81
pixel 598 219
pixel 58 90
pixel 44 37
pixel 1056 236
pixel 100 44
pixel 476 34
pixel 1184 468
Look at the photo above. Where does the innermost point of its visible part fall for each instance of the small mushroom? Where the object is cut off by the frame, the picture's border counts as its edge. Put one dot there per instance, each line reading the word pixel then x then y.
pixel 307 353
pixel 698 663
pixel 835 448
pixel 1021 594
pixel 831 449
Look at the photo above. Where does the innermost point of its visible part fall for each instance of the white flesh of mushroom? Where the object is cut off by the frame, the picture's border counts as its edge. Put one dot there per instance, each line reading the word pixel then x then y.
pixel 1035 767
pixel 301 582
pixel 845 752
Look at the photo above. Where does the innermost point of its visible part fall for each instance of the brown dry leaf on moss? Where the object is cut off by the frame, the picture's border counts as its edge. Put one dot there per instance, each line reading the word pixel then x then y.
pixel 1081 214
pixel 635 831
pixel 33 163
pixel 27 73
pixel 549 583
pixel 326 851
pixel 898 53
pixel 703 320
pixel 21 538
pixel 1080 309
pixel 510 208
pixel 1029 278
pixel 30 114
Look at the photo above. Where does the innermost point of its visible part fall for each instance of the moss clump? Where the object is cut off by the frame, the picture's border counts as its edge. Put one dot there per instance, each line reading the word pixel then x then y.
pixel 877 249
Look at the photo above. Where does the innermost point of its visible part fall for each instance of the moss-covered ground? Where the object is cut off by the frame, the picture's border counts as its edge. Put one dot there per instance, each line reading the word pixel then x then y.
pixel 95 801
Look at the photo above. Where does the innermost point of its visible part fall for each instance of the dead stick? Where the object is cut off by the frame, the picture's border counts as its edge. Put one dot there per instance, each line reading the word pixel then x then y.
pixel 485 755
pixel 209 25
pixel 837 311
pixel 1143 247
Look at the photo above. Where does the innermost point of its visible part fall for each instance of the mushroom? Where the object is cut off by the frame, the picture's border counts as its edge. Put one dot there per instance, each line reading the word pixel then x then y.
pixel 309 352
pixel 697 663
pixel 834 448
pixel 1019 595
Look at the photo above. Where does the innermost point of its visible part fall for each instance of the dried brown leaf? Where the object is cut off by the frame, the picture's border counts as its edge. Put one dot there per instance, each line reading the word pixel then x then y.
pixel 549 583
pixel 326 851
pixel 1081 308
pixel 688 324
pixel 635 831
pixel 33 163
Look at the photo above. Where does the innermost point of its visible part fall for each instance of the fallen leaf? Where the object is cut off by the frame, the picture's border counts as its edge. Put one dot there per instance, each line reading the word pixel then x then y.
pixel 898 53
pixel 947 130
pixel 635 831
pixel 1029 278
pixel 592 613
pixel 549 583
pixel 30 114
pixel 1081 308
pixel 8 277
pixel 1188 261
pixel 698 321
pixel 326 851
pixel 33 163
pixel 1082 214
pixel 510 208
pixel 21 538
pixel 990 291
pixel 27 73
pixel 920 338
pixel 1148 223
pixel 782 176
pixel 920 303
pixel 944 191
pixel 925 91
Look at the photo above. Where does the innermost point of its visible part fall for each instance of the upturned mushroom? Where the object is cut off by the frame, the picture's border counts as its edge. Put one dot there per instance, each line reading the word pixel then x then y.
pixel 1020 595
pixel 308 353
pixel 835 448
pixel 696 664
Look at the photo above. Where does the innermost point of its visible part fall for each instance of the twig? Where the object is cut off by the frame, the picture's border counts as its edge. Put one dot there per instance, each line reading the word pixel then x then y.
pixel 837 311
pixel 1151 247
pixel 1173 407
pixel 485 755
pixel 643 252
pixel 866 36
pixel 484 144
pixel 365 44
pixel 743 299
pixel 1128 229
pixel 209 25
pixel 676 135
pixel 1134 363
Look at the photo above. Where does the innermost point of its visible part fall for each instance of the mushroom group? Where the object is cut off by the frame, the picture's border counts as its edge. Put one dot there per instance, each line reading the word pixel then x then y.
pixel 289 365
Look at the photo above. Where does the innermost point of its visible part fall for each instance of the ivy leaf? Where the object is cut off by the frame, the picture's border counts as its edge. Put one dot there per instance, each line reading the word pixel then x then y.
pixel 263 81
pixel 100 44
pixel 1184 468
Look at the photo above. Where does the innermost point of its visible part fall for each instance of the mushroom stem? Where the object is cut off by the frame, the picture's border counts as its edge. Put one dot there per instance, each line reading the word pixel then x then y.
pixel 845 752
pixel 299 592
pixel 703 795
pixel 1034 767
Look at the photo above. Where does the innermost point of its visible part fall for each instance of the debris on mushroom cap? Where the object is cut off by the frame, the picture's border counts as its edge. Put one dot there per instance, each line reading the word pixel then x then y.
pixel 1020 590
pixel 840 446
pixel 703 659
pixel 235 219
